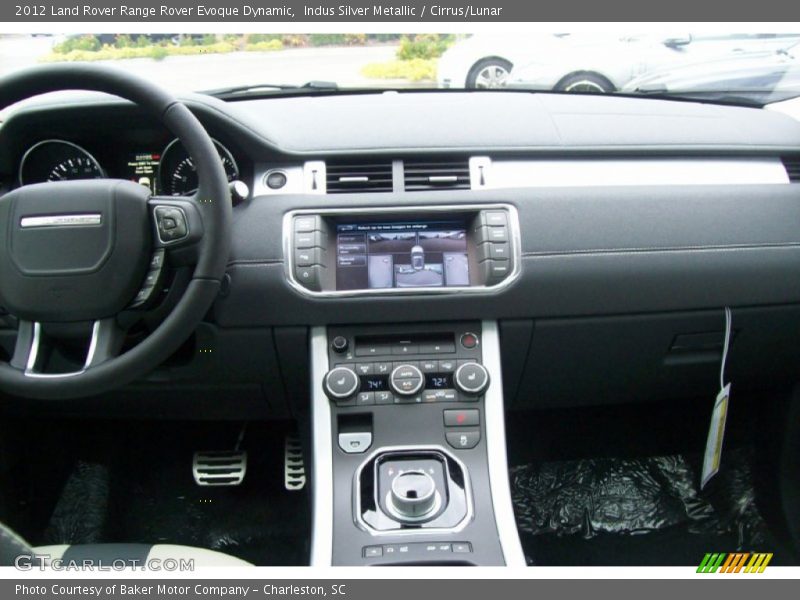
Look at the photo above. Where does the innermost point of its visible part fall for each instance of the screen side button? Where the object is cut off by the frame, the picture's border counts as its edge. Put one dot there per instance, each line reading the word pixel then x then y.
pixel 309 277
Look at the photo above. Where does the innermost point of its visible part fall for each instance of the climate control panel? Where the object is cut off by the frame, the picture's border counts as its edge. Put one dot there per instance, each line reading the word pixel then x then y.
pixel 407 368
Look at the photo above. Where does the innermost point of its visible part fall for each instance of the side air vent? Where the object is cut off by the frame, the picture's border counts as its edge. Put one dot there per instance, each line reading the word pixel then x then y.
pixel 792 166
pixel 349 178
pixel 436 175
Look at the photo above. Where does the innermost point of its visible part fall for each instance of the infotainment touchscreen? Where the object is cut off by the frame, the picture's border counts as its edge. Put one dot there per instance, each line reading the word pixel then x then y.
pixel 407 254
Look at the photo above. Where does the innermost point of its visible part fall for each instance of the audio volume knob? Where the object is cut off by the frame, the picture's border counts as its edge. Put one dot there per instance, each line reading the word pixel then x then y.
pixel 406 380
pixel 472 378
pixel 340 383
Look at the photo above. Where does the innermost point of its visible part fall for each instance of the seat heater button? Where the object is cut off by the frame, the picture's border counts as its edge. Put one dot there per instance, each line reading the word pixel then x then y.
pixel 384 398
pixel 463 440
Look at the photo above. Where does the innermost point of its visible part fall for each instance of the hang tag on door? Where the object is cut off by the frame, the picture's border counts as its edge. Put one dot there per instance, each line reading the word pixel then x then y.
pixel 716 435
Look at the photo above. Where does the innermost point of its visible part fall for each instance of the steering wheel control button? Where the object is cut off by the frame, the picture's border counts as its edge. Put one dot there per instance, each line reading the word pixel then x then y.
pixel 469 417
pixel 355 442
pixel 463 439
pixel 340 383
pixel 307 223
pixel 469 341
pixel 340 344
pixel 406 380
pixel 171 224
pixel 471 378
pixel 157 261
pixel 413 495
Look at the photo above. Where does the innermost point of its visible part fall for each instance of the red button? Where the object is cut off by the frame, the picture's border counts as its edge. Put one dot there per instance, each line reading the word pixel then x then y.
pixel 469 340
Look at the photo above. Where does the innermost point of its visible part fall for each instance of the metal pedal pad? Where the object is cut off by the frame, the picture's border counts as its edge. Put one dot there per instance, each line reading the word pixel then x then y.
pixel 294 470
pixel 227 467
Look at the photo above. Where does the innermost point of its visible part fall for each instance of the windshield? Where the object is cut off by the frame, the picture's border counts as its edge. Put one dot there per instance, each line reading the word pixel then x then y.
pixel 755 68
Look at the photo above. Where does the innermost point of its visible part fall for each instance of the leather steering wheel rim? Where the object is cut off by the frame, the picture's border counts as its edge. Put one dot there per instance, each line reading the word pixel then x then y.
pixel 213 248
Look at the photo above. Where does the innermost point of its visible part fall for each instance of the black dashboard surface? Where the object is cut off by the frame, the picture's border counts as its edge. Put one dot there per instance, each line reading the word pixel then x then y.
pixel 585 250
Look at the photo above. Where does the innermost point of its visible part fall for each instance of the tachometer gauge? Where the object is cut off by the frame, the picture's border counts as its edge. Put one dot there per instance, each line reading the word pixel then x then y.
pixel 57 160
pixel 177 173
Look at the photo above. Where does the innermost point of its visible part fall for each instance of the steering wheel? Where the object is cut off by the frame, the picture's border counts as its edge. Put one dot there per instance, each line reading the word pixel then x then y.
pixel 78 254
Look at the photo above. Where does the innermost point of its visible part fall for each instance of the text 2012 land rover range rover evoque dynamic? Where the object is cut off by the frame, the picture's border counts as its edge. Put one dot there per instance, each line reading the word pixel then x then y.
pixel 313 326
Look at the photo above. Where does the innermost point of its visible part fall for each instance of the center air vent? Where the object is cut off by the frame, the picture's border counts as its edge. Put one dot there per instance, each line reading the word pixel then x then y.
pixel 792 166
pixel 349 178
pixel 436 175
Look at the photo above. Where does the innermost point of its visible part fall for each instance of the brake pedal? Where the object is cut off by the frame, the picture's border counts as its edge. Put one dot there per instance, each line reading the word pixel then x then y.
pixel 219 468
pixel 294 470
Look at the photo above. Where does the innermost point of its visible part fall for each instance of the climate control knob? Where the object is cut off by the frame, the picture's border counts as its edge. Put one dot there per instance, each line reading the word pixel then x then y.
pixel 406 380
pixel 471 379
pixel 340 383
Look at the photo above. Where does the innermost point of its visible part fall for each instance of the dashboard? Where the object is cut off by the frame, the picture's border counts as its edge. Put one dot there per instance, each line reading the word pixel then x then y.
pixel 622 215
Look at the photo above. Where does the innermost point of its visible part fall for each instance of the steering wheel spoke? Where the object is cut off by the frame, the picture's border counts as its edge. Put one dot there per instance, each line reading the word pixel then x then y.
pixel 31 350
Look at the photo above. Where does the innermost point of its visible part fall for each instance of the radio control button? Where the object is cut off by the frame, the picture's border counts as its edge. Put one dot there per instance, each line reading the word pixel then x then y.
pixel 309 277
pixel 305 257
pixel 307 223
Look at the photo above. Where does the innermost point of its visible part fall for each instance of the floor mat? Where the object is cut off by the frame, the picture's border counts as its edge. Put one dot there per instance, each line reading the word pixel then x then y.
pixel 151 496
pixel 635 511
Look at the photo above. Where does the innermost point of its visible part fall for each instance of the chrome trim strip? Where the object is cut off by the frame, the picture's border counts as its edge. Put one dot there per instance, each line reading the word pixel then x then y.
pixel 514 231
pixel 322 449
pixel 502 174
pixel 30 365
pixel 468 517
pixel 494 415
pixel 66 220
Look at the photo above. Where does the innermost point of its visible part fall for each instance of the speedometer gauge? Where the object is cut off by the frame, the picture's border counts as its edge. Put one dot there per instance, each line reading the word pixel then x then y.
pixel 177 173
pixel 57 160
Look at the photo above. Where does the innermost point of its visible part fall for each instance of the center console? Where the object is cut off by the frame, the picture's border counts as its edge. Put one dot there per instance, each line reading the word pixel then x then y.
pixel 409 446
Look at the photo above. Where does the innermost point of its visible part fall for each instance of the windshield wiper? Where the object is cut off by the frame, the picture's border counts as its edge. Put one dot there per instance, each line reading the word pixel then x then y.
pixel 261 88
pixel 750 98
